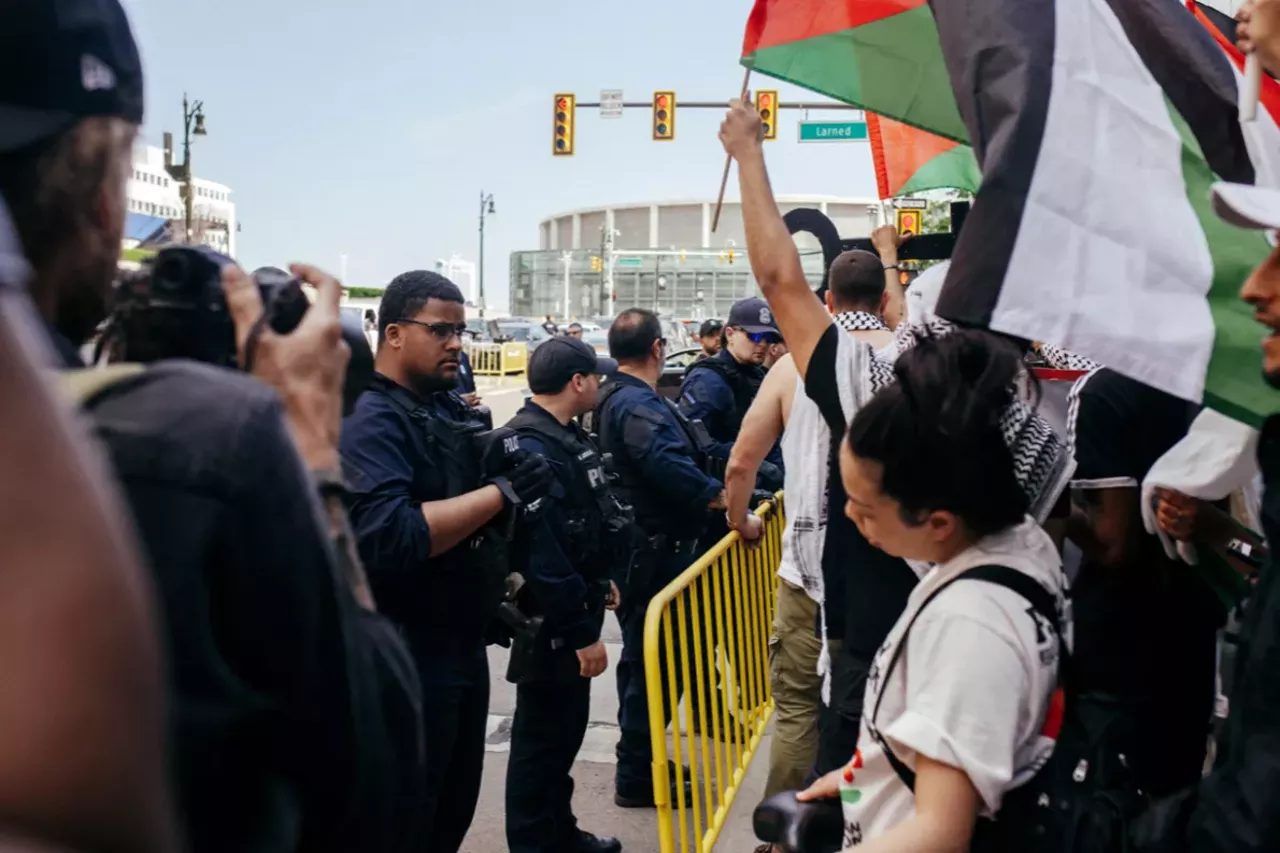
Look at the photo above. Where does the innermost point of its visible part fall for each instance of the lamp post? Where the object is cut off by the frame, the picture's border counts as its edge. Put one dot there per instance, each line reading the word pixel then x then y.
pixel 486 209
pixel 192 125
pixel 567 259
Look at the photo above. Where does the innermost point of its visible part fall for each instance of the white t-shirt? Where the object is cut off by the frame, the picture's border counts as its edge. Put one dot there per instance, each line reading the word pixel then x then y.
pixel 971 689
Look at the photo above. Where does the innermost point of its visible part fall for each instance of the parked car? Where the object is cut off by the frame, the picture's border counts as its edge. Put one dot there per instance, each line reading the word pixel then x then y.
pixel 598 339
pixel 674 369
pixel 529 333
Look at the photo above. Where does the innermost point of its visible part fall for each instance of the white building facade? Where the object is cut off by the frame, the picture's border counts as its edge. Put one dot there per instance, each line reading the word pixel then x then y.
pixel 152 191
pixel 660 255
pixel 462 273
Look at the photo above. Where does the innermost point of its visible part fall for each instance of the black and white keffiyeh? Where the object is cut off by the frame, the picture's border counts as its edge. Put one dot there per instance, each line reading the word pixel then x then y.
pixel 1059 359
pixel 1043 462
pixel 860 321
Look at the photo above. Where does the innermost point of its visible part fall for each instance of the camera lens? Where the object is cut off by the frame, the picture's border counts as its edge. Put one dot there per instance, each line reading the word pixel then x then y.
pixel 170 273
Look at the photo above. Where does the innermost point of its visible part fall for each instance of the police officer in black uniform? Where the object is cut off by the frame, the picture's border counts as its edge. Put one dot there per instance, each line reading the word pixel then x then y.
pixel 424 512
pixel 569 542
pixel 659 466
pixel 718 390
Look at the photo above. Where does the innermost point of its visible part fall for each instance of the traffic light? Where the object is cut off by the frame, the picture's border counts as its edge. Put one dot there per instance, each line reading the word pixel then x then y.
pixel 908 221
pixel 596 265
pixel 562 143
pixel 767 106
pixel 664 116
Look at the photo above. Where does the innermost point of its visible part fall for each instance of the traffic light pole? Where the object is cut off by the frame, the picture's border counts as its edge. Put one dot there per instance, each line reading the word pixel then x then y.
pixel 720 105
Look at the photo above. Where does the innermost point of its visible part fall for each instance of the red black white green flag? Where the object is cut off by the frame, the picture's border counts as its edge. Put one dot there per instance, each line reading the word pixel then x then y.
pixel 1099 127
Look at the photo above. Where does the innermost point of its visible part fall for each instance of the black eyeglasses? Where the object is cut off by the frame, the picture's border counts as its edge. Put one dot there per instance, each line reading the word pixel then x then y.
pixel 443 331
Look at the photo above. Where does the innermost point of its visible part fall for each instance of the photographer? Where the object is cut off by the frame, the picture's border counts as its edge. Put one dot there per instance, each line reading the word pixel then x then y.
pixel 422 504
pixel 276 737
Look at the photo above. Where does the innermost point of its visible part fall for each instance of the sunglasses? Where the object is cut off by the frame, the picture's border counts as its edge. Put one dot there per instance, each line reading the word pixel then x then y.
pixel 442 331
pixel 763 337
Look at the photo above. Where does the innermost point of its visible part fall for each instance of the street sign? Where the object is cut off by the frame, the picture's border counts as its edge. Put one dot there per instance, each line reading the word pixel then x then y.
pixel 911 203
pixel 610 103
pixel 630 262
pixel 832 131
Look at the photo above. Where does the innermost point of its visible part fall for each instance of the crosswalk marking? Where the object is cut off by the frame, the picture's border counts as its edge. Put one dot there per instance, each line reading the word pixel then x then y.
pixel 597 746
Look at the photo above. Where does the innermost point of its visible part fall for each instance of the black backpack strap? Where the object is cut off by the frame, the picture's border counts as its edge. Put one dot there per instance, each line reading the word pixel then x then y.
pixel 412 405
pixel 1040 599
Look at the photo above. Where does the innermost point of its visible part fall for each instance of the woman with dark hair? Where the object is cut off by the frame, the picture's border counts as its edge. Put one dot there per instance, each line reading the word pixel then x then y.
pixel 958 694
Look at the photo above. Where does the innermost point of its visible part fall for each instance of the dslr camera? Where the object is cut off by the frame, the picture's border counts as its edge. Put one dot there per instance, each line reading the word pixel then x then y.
pixel 174 307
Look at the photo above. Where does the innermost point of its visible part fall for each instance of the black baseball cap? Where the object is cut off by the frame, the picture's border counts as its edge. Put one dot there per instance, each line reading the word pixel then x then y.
pixel 709 328
pixel 62 61
pixel 753 315
pixel 558 360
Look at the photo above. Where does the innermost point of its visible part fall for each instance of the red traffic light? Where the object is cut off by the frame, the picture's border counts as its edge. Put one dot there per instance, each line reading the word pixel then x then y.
pixel 663 101
pixel 765 100
pixel 562 104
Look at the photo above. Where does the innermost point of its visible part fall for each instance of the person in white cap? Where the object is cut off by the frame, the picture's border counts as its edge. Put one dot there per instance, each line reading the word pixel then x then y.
pixel 1237 806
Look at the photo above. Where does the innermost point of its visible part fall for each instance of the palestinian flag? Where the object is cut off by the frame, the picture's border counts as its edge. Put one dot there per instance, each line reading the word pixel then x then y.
pixel 909 160
pixel 1100 126
pixel 1223 30
pixel 882 55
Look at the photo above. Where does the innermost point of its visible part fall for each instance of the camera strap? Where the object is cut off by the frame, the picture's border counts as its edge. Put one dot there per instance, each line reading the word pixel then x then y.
pixel 251 343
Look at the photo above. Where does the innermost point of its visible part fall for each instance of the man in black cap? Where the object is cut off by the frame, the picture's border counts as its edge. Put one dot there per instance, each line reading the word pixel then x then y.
pixel 274 736
pixel 710 337
pixel 569 552
pixel 70 107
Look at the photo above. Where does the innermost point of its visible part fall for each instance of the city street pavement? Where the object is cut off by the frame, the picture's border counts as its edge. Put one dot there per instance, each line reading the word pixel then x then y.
pixel 593 771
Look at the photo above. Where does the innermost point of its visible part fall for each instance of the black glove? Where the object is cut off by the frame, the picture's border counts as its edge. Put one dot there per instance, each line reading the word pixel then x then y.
pixel 527 480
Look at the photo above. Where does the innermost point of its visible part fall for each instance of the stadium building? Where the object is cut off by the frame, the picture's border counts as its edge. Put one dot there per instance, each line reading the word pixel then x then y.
pixel 661 256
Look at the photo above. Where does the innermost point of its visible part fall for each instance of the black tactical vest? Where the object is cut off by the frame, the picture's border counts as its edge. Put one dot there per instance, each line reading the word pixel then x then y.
pixel 650 512
pixel 454 447
pixel 595 516
pixel 743 380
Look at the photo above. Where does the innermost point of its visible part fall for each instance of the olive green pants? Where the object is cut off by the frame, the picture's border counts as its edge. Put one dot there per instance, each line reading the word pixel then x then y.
pixel 797 689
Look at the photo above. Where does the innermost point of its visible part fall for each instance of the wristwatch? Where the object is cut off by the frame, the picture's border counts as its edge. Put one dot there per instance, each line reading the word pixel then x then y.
pixel 888 267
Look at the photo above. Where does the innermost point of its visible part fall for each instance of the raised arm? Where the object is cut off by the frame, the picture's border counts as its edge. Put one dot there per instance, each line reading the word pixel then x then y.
pixel 775 262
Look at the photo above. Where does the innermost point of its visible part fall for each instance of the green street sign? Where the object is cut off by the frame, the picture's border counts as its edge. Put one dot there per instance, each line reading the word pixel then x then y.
pixel 630 262
pixel 833 131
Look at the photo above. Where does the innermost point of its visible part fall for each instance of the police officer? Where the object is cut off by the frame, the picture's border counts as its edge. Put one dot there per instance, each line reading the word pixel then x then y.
pixel 659 469
pixel 422 510
pixel 570 545
pixel 718 390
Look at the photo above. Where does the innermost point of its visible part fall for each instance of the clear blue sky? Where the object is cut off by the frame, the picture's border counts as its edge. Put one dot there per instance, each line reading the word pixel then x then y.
pixel 370 128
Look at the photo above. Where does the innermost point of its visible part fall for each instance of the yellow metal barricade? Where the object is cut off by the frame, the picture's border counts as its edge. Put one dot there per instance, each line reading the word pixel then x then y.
pixel 514 359
pixel 708 630
pixel 490 359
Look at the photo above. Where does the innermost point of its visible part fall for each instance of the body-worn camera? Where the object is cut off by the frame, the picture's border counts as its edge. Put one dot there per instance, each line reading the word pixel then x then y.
pixel 174 307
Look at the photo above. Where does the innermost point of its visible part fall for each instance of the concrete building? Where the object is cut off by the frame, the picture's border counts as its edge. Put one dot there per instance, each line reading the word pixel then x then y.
pixel 152 192
pixel 663 255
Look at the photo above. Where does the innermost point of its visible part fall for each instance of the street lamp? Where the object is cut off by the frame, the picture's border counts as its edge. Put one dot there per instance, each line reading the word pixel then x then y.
pixel 486 209
pixel 192 125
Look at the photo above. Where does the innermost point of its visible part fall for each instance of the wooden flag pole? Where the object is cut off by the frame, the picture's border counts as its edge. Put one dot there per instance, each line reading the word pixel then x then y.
pixel 724 179
pixel 1249 88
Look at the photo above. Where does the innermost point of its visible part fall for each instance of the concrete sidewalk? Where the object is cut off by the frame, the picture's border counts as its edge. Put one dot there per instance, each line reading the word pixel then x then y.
pixel 593 773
